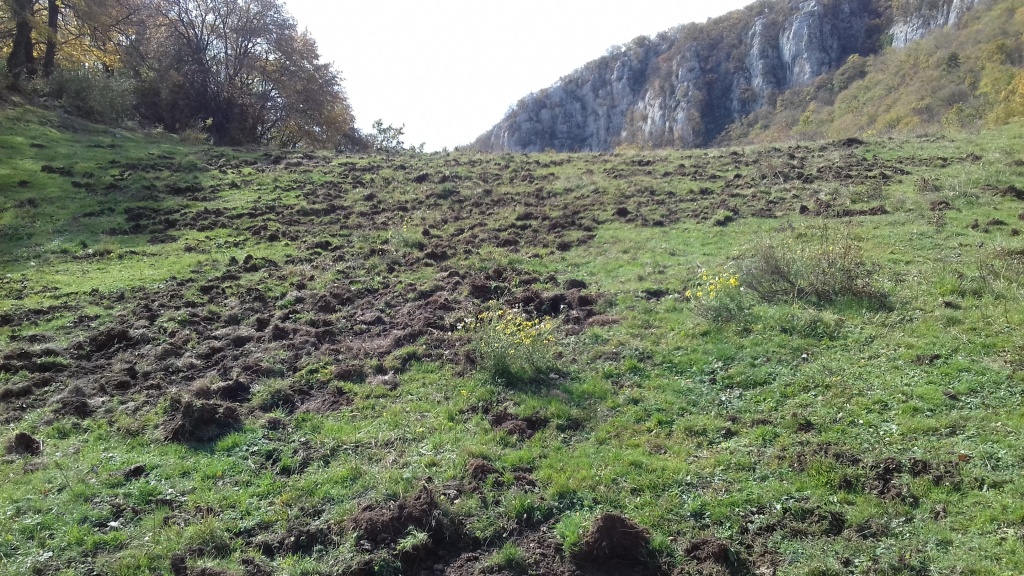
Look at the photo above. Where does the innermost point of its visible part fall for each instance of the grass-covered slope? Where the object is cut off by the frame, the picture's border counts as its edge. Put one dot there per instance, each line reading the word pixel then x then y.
pixel 246 362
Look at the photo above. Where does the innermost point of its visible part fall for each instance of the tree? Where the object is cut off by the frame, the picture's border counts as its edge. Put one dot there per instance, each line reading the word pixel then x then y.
pixel 21 61
pixel 243 65
pixel 74 33
pixel 52 21
pixel 239 69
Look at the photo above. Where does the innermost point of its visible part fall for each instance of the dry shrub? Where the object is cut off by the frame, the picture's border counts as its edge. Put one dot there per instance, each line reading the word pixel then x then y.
pixel 826 269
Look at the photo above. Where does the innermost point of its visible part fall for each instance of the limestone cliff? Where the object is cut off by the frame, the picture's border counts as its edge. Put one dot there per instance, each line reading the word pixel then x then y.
pixel 686 86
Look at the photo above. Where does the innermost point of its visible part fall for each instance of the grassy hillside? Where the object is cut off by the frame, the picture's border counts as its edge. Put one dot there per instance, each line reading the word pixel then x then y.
pixel 218 361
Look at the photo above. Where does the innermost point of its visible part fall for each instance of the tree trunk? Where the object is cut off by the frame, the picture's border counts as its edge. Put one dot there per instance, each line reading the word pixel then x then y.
pixel 22 62
pixel 52 20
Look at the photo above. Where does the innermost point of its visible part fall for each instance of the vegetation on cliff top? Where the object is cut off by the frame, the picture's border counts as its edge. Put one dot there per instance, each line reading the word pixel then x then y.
pixel 966 78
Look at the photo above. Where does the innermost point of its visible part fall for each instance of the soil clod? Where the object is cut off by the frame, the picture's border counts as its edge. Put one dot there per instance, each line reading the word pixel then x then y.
pixel 386 525
pixel 615 538
pixel 883 482
pixel 480 470
pixel 23 444
pixel 134 472
pixel 72 402
pixel 198 421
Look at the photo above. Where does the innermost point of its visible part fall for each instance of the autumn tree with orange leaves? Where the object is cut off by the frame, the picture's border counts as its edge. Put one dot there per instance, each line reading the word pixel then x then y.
pixel 239 69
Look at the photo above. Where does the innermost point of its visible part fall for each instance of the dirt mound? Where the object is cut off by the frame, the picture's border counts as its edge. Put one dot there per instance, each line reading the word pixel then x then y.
pixel 941 474
pixel 325 402
pixel 106 339
pixel 380 528
pixel 233 391
pixel 523 428
pixel 710 550
pixel 23 444
pixel 481 473
pixel 542 553
pixel 198 421
pixel 386 525
pixel 882 482
pixel 72 402
pixel 133 472
pixel 1013 192
pixel 298 539
pixel 576 305
pixel 39 360
pixel 614 538
pixel 803 458
pixel 712 557
pixel 794 520
pixel 827 210
pixel 494 283
pixel 254 567
pixel 480 470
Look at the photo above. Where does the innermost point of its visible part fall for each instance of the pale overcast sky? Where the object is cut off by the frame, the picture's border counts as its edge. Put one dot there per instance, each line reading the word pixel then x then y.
pixel 450 69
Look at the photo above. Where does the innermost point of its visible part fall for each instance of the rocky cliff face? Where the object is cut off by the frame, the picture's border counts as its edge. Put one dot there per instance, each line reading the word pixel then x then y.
pixel 686 86
pixel 915 24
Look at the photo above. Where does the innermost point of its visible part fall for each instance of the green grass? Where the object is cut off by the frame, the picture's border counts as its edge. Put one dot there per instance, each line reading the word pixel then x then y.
pixel 752 430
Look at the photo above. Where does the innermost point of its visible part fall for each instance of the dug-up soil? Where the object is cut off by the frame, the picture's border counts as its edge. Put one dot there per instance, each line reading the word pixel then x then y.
pixel 197 347
pixel 222 327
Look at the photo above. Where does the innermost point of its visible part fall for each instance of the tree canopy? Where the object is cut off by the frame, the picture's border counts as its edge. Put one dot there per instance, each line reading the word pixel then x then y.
pixel 240 70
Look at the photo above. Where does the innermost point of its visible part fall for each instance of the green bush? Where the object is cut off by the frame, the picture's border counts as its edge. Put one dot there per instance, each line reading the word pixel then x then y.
pixel 92 94
pixel 511 348
pixel 828 269
pixel 718 299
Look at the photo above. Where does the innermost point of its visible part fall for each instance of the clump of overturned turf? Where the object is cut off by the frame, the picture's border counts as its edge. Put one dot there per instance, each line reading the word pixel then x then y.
pixel 197 421
pixel 615 538
pixel 414 532
pixel 298 539
pixel 23 444
pixel 480 470
pixel 712 557
pixel 74 401
pixel 883 482
pixel 386 525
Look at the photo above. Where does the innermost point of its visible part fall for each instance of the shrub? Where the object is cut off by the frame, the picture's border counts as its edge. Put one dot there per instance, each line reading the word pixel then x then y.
pixel 511 348
pixel 93 95
pixel 827 270
pixel 387 139
pixel 717 299
pixel 198 134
